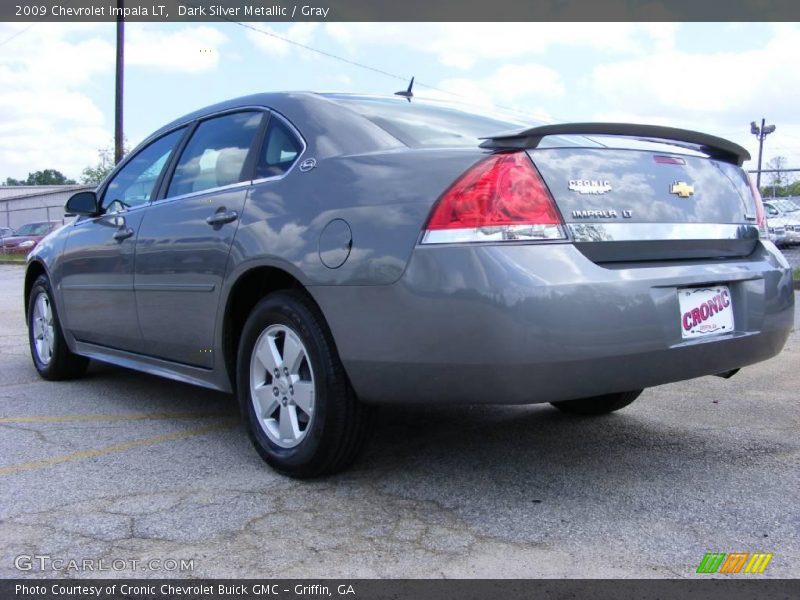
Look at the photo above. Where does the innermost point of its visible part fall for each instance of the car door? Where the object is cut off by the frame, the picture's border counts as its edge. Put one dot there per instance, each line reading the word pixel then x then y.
pixel 97 264
pixel 186 235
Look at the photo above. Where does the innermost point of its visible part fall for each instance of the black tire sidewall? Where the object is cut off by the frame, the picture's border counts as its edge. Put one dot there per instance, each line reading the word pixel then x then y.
pixel 42 284
pixel 284 309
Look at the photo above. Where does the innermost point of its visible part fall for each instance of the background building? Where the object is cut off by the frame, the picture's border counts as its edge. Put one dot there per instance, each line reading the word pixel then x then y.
pixel 20 204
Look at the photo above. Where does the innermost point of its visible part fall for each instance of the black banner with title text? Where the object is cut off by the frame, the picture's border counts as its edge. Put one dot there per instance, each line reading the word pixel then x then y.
pixel 407 10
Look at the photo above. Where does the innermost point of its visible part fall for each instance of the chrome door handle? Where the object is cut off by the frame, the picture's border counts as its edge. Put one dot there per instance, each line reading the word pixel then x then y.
pixel 123 234
pixel 221 217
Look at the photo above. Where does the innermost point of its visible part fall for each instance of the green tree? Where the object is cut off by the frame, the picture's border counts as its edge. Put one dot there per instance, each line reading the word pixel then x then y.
pixel 95 174
pixel 46 177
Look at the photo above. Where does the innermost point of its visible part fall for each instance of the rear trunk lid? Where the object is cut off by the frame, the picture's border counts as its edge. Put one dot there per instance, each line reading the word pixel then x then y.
pixel 636 198
pixel 633 204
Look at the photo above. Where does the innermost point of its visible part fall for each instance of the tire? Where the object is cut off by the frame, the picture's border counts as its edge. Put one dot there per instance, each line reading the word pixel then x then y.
pixel 286 331
pixel 598 405
pixel 51 356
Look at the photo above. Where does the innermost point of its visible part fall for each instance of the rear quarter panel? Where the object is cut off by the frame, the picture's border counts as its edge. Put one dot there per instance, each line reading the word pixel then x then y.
pixel 385 198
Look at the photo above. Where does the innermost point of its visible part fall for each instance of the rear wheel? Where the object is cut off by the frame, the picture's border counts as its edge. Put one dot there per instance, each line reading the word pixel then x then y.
pixel 51 356
pixel 301 412
pixel 598 405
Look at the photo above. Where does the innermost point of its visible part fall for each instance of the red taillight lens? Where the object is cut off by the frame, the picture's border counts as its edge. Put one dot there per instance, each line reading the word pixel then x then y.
pixel 501 198
pixel 761 218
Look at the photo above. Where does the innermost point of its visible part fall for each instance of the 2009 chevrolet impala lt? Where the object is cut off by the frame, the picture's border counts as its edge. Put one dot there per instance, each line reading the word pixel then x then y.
pixel 318 253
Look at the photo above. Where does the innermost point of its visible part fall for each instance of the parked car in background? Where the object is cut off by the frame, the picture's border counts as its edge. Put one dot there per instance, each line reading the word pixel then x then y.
pixel 318 253
pixel 26 237
pixel 6 231
pixel 785 214
pixel 776 233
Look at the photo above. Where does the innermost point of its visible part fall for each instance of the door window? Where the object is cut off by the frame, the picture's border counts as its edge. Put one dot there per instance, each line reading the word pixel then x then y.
pixel 215 155
pixel 279 152
pixel 135 183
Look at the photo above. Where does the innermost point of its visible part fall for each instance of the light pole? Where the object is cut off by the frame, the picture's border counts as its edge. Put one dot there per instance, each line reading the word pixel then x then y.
pixel 761 133
pixel 119 136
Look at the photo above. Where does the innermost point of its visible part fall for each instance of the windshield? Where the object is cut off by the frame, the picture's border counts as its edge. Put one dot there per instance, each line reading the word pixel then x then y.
pixel 34 229
pixel 426 124
pixel 786 206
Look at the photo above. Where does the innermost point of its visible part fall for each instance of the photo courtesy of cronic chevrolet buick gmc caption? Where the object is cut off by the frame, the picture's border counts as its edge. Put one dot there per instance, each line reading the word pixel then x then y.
pixel 317 254
pixel 187 590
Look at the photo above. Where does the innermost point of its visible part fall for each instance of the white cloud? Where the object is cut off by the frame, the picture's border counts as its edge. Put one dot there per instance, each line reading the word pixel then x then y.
pixel 719 92
pixel 519 88
pixel 509 83
pixel 191 49
pixel 462 45
pixel 674 82
pixel 45 121
pixel 49 73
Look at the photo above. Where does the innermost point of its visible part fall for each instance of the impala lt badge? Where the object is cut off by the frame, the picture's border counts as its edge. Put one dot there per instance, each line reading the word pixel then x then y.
pixel 682 189
pixel 589 186
pixel 601 214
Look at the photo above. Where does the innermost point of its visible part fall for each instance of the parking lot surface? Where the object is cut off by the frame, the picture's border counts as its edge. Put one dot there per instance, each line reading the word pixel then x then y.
pixel 128 467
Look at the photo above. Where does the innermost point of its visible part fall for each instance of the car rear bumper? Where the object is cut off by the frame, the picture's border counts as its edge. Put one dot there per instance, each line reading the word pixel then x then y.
pixel 516 324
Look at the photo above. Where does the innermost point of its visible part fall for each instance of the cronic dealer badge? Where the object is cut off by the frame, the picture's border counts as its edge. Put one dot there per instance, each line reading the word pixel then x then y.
pixel 589 186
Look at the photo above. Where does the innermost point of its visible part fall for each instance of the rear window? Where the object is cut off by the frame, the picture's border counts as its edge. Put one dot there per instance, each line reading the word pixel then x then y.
pixel 425 124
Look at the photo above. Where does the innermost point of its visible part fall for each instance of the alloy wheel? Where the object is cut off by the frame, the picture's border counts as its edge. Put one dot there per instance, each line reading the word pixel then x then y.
pixel 282 386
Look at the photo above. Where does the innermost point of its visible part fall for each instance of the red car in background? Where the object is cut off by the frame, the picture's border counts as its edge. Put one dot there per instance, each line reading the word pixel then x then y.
pixel 27 237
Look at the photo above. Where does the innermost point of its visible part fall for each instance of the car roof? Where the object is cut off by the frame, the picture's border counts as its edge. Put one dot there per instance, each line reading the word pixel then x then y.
pixel 272 100
pixel 342 130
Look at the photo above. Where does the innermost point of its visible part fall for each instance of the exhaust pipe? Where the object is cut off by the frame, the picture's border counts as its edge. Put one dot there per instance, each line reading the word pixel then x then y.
pixel 727 374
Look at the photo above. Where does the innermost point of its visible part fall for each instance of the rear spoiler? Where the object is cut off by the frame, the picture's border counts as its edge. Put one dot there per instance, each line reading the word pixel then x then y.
pixel 714 147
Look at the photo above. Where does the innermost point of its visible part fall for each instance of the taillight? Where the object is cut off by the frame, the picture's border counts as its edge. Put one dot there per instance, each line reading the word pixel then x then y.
pixel 502 198
pixel 761 218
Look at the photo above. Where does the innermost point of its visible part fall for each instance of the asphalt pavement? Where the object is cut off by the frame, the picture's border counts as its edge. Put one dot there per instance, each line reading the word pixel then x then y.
pixel 131 471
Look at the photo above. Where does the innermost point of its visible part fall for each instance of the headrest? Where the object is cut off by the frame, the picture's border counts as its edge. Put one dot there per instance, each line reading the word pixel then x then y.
pixel 229 165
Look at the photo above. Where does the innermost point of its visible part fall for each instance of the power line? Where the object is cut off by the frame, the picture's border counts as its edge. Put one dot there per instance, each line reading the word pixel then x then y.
pixel 381 71
pixel 19 33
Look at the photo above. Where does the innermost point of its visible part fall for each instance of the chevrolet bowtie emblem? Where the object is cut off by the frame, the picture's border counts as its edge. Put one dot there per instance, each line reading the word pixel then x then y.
pixel 682 189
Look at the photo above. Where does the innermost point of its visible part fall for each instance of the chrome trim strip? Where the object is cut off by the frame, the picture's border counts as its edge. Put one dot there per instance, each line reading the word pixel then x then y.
pixel 213 190
pixel 503 233
pixel 630 232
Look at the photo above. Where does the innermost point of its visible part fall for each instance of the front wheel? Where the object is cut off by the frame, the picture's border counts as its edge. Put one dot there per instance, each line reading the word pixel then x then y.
pixel 598 405
pixel 301 413
pixel 51 356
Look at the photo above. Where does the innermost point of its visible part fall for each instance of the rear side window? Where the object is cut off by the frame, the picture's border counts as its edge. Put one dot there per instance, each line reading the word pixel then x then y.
pixel 280 150
pixel 135 183
pixel 216 153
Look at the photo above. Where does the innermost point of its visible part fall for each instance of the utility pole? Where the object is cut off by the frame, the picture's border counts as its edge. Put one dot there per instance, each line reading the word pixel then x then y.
pixel 761 133
pixel 118 131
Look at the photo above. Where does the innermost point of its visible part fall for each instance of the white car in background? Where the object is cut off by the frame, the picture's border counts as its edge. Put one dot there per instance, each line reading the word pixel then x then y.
pixel 783 214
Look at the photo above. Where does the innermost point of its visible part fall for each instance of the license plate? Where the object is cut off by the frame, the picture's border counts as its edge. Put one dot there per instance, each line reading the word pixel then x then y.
pixel 705 311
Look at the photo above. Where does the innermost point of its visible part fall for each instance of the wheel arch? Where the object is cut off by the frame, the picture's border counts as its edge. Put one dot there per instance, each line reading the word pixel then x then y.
pixel 32 273
pixel 247 290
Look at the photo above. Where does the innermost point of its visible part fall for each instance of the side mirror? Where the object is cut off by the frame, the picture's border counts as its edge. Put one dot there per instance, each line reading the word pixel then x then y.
pixel 82 203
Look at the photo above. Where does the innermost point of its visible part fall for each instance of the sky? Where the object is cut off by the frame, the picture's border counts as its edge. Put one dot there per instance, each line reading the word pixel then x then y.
pixel 57 80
